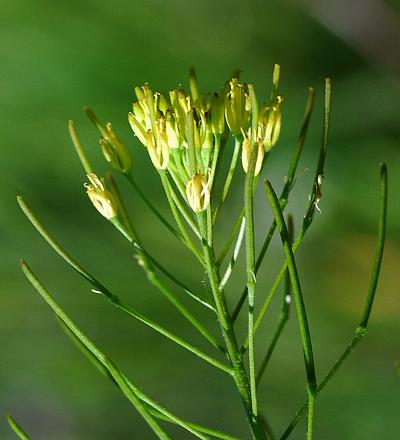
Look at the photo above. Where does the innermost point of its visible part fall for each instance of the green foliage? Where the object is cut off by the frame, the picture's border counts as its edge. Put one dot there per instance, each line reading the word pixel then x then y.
pixel 187 148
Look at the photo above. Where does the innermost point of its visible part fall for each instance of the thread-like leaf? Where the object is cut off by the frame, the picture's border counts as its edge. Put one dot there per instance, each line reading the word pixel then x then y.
pixel 22 435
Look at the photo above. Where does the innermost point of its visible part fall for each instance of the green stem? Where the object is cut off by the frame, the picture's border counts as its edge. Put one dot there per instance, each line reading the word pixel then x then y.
pixel 231 237
pixel 172 197
pixel 203 301
pixel 297 293
pixel 210 235
pixel 100 288
pixel 284 313
pixel 228 333
pixel 316 189
pixel 179 176
pixel 182 210
pixel 380 247
pixel 197 427
pixel 78 147
pixel 160 413
pixel 217 145
pixel 228 180
pixel 282 322
pixel 17 428
pixel 122 211
pixel 267 427
pixel 311 408
pixel 55 245
pixel 235 255
pixel 190 141
pixel 133 398
pixel 361 331
pixel 90 350
pixel 133 237
pixel 153 278
pixel 281 273
pixel 59 312
pixel 175 213
pixel 250 248
pixel 153 209
pixel 283 199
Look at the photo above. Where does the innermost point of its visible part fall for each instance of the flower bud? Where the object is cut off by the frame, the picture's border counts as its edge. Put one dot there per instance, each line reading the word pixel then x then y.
pixel 139 93
pixel 180 107
pixel 157 146
pixel 270 124
pixel 138 128
pixel 102 199
pixel 194 87
pixel 115 151
pixel 198 193
pixel 171 130
pixel 162 104
pixel 199 127
pixel 138 112
pixel 217 114
pixel 246 155
pixel 208 143
pixel 237 107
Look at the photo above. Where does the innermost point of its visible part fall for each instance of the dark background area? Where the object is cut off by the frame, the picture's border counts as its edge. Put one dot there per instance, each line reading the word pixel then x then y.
pixel 58 56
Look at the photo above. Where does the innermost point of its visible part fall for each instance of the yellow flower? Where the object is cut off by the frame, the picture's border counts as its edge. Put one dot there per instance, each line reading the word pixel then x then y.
pixel 102 199
pixel 246 154
pixel 237 107
pixel 138 128
pixel 198 193
pixel 115 151
pixel 269 127
pixel 157 145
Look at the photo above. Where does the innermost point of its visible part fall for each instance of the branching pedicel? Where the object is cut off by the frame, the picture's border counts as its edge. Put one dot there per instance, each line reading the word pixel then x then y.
pixel 186 135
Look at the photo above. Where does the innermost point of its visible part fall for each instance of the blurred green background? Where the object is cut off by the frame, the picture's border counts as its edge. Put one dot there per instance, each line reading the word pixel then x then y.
pixel 57 56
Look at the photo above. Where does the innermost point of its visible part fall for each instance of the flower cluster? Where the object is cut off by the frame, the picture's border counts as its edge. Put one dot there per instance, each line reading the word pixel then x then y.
pixel 183 131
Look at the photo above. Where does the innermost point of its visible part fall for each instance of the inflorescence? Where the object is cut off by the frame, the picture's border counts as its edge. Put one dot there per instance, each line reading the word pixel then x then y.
pixel 183 132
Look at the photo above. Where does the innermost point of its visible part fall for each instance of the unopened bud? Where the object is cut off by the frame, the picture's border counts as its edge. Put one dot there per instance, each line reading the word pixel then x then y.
pixel 102 199
pixel 208 137
pixel 246 155
pixel 171 130
pixel 198 193
pixel 199 127
pixel 162 104
pixel 138 111
pixel 272 121
pixel 139 93
pixel 115 151
pixel 179 106
pixel 194 87
pixel 138 128
pixel 237 107
pixel 158 148
pixel 217 114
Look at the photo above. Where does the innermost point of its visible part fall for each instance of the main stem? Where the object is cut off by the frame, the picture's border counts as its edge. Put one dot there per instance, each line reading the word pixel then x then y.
pixel 251 277
pixel 228 332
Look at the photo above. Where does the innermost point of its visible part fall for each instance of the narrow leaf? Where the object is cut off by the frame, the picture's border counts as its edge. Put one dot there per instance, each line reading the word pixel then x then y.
pixel 17 428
